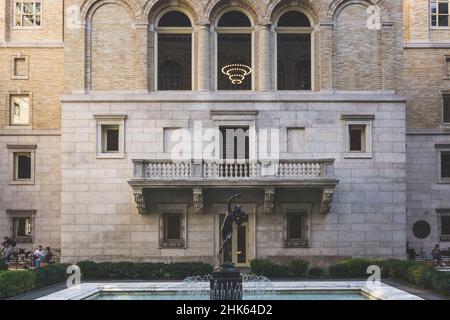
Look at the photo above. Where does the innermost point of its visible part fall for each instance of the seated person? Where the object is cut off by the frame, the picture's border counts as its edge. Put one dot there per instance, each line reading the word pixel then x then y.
pixel 436 253
pixel 48 255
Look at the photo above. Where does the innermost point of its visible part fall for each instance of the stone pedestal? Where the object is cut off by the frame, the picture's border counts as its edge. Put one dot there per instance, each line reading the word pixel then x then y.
pixel 226 283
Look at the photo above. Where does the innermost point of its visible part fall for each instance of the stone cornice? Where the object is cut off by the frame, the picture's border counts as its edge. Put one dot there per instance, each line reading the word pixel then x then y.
pixel 426 45
pixel 248 97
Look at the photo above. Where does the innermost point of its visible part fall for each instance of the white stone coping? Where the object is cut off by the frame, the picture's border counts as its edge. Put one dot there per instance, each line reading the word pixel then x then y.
pixel 251 96
pixel 85 290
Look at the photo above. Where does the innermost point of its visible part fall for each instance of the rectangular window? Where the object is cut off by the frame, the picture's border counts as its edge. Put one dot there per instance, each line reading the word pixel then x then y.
pixel 439 13
pixel 447 68
pixel 235 143
pixel 296 228
pixel 172 229
pixel 27 13
pixel 19 67
pixel 445 228
pixel 446 108
pixel 445 165
pixel 357 136
pixel 294 61
pixel 234 58
pixel 174 62
pixel 19 110
pixel 22 166
pixel 21 224
pixel 110 134
pixel 22 228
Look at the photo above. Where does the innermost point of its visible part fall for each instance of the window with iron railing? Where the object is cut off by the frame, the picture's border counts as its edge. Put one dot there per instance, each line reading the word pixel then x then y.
pixel 445 228
pixel 295 228
pixel 172 229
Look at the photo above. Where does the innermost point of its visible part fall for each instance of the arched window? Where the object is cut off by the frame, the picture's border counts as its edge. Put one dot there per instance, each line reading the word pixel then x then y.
pixel 174 43
pixel 294 51
pixel 234 51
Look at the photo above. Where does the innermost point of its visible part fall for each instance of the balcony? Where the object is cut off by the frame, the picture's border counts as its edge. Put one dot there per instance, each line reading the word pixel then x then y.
pixel 268 175
pixel 164 170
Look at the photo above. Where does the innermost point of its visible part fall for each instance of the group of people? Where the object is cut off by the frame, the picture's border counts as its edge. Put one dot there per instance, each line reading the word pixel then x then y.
pixel 436 254
pixel 37 259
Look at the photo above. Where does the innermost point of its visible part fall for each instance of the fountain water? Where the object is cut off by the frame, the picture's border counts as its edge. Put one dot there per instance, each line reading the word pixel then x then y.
pixel 204 287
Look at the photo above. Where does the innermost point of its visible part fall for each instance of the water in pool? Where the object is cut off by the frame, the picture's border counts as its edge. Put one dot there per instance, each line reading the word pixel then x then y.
pixel 278 295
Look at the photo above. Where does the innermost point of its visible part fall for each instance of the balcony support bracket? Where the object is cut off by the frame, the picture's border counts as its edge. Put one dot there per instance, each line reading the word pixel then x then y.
pixel 197 194
pixel 327 198
pixel 140 201
pixel 269 196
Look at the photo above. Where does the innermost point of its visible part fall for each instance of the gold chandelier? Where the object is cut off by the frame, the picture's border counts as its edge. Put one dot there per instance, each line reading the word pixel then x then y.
pixel 236 72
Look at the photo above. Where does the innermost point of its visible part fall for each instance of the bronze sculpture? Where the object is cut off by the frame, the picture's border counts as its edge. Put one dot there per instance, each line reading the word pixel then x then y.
pixel 235 215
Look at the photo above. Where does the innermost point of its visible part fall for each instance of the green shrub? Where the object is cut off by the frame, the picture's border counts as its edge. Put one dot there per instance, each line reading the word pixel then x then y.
pixel 13 283
pixel 147 270
pixel 3 265
pixel 416 274
pixel 261 267
pixel 317 272
pixel 298 267
pixel 411 272
pixel 181 270
pixel 50 274
pixel 397 269
pixel 265 267
pixel 339 270
pixel 440 283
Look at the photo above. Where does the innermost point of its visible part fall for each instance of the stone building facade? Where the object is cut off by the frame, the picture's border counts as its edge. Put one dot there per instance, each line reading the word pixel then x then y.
pixel 106 94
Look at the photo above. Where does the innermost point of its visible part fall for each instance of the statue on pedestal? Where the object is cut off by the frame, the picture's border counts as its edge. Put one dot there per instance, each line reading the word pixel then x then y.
pixel 235 215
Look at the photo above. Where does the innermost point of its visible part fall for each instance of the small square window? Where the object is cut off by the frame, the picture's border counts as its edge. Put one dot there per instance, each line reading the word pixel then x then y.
pixel 296 226
pixel 445 164
pixel 110 137
pixel 27 13
pixel 21 225
pixel 19 67
pixel 445 228
pixel 357 135
pixel 22 163
pixel 22 166
pixel 19 110
pixel 22 228
pixel 446 108
pixel 447 68
pixel 172 228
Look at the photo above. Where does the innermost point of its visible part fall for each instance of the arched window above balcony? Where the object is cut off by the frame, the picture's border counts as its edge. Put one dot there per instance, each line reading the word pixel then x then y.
pixel 234 51
pixel 294 51
pixel 174 51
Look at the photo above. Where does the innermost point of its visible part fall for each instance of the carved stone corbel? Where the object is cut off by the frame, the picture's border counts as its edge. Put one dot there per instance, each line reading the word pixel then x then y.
pixel 197 195
pixel 269 196
pixel 140 201
pixel 327 198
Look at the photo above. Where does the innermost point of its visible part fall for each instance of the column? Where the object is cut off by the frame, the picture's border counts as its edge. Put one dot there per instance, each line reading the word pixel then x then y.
pixel 264 58
pixel 203 58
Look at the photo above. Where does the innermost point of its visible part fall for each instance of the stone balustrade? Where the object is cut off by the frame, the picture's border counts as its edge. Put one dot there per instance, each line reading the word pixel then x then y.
pixel 238 170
